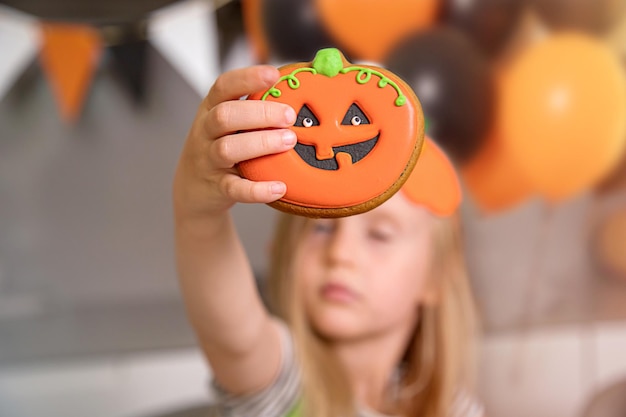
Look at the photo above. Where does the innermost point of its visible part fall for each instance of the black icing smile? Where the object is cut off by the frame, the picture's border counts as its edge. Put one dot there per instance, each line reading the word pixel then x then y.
pixel 357 151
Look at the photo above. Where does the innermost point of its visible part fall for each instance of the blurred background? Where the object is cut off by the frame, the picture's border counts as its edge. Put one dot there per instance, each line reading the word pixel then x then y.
pixel 528 97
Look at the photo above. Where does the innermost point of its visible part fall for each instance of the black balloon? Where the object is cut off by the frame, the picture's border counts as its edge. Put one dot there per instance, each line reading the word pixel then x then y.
pixel 453 82
pixel 595 16
pixel 293 29
pixel 108 11
pixel 489 23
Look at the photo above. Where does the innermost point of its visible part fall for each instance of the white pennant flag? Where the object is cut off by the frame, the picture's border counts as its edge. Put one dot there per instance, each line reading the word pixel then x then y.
pixel 19 43
pixel 186 35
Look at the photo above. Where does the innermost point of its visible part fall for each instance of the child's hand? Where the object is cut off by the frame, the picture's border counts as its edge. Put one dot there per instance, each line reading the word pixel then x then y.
pixel 206 181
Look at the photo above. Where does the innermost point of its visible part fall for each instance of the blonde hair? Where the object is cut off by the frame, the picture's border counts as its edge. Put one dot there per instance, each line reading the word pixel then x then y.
pixel 437 362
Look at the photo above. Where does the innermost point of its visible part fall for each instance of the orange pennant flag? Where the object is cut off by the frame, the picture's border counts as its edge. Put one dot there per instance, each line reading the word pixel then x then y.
pixel 69 56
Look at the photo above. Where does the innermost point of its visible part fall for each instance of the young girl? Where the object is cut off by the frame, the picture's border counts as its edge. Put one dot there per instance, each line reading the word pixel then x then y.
pixel 371 314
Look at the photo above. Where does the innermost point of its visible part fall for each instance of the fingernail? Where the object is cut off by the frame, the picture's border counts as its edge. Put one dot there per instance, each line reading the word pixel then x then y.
pixel 278 188
pixel 290 115
pixel 289 138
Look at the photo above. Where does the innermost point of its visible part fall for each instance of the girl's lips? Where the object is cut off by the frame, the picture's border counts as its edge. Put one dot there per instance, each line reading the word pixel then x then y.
pixel 338 293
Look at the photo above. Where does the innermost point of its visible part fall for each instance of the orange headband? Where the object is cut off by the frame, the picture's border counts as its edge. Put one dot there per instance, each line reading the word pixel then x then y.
pixel 433 182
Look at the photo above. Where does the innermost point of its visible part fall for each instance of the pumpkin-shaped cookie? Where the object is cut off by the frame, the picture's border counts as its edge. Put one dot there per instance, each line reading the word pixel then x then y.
pixel 360 131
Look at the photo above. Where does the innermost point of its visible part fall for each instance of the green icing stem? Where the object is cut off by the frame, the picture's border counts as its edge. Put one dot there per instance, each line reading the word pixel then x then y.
pixel 292 81
pixel 364 75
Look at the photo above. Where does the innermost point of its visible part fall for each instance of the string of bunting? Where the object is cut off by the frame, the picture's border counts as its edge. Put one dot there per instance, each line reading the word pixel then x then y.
pixel 71 52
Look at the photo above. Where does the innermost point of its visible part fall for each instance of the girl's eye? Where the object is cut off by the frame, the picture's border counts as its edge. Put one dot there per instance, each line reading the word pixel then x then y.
pixel 356 120
pixel 307 122
pixel 379 236
pixel 323 227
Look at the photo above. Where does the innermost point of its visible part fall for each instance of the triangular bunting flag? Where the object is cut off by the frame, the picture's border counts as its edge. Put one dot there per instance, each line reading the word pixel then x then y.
pixel 129 58
pixel 19 43
pixel 70 55
pixel 186 35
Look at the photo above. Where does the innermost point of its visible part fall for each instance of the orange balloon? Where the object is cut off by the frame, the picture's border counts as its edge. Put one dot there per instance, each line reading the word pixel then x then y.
pixel 493 180
pixel 368 29
pixel 563 113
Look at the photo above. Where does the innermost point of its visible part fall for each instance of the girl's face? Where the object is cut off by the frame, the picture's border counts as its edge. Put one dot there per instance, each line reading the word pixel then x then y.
pixel 365 275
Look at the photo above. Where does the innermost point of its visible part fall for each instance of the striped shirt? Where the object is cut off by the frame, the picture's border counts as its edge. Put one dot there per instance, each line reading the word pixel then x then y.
pixel 281 397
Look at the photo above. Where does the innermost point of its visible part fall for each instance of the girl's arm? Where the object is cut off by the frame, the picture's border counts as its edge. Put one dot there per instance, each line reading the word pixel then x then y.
pixel 236 333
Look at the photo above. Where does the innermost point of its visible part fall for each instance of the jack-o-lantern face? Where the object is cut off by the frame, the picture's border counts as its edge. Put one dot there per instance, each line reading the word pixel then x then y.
pixel 326 153
pixel 359 130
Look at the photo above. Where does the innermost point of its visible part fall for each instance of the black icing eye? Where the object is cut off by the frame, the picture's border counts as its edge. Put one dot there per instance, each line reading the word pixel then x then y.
pixel 306 118
pixel 355 116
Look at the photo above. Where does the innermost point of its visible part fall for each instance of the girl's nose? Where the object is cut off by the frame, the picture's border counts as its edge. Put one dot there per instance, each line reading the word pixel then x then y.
pixel 342 246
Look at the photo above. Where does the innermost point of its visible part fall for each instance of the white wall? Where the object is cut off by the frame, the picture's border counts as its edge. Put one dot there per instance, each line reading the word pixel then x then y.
pixel 551 372
pixel 133 385
pixel 540 373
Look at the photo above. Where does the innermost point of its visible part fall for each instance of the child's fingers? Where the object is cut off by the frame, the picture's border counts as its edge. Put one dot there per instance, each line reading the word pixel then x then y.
pixel 227 151
pixel 233 116
pixel 240 82
pixel 246 191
